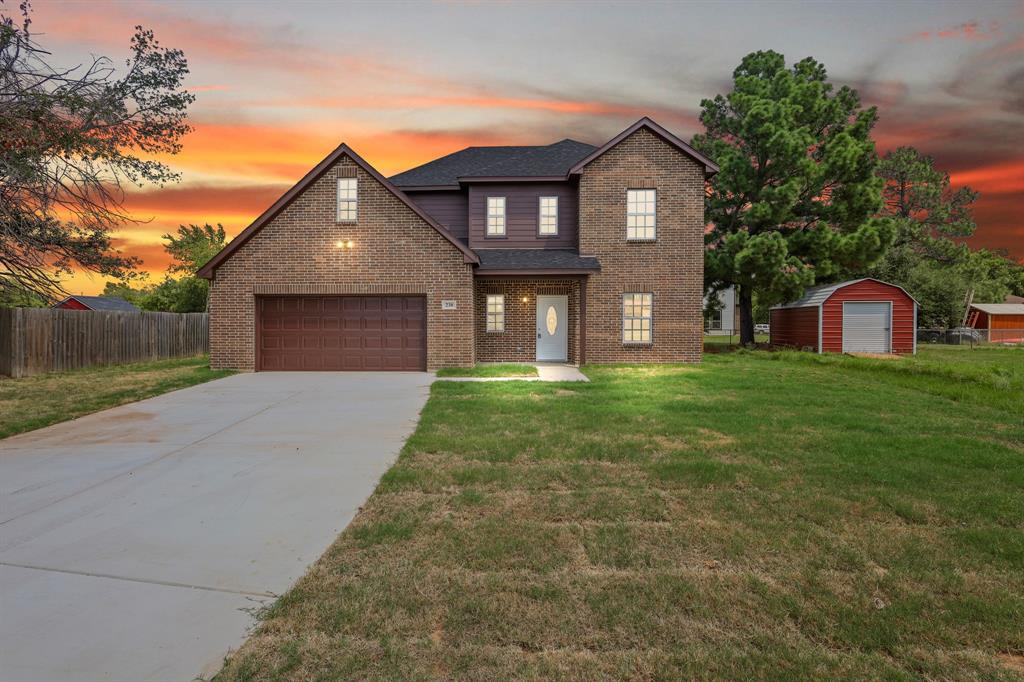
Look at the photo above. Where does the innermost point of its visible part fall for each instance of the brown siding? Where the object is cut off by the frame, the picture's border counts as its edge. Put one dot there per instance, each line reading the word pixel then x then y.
pixel 395 252
pixel 522 210
pixel 518 343
pixel 672 268
pixel 795 327
pixel 903 330
pixel 448 207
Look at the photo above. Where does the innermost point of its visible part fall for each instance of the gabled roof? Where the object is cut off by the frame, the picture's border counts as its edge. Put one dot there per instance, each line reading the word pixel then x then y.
pixel 1000 308
pixel 710 167
pixel 547 161
pixel 511 261
pixel 103 303
pixel 312 176
pixel 815 296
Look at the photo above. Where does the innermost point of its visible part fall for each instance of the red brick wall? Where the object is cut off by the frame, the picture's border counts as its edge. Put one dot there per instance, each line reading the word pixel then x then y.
pixel 903 330
pixel 518 343
pixel 795 327
pixel 672 268
pixel 395 252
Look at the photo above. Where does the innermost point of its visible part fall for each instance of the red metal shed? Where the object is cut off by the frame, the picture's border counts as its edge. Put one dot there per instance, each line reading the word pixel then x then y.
pixel 859 316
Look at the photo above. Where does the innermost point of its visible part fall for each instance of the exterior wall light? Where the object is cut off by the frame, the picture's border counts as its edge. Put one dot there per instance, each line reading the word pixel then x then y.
pixel 350 244
pixel 344 245
pixel 339 245
pixel 526 299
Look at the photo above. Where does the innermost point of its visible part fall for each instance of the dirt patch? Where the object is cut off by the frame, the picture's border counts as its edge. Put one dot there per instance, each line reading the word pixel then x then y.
pixel 876 356
pixel 1014 662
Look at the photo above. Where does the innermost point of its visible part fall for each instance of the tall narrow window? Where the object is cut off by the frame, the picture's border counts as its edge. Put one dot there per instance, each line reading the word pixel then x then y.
pixel 495 216
pixel 636 318
pixel 347 200
pixel 495 312
pixel 640 214
pixel 548 222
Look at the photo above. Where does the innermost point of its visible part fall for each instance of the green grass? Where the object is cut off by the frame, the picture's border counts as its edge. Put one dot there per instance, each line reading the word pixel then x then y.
pixel 505 369
pixel 38 401
pixel 759 516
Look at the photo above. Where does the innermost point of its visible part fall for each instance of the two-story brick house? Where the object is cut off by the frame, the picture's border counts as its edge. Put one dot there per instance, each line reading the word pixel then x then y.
pixel 565 253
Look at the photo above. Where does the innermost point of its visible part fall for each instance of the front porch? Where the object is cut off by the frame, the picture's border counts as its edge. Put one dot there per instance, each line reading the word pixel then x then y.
pixel 530 319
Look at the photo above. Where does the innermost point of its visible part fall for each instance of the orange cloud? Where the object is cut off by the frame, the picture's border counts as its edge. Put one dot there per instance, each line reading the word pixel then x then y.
pixel 1003 178
pixel 970 31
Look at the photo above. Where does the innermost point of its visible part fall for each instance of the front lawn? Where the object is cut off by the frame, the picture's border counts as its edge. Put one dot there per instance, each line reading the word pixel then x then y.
pixel 38 401
pixel 503 369
pixel 759 516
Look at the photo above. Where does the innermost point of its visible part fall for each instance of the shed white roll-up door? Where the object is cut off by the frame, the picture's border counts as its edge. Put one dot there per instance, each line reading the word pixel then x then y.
pixel 867 327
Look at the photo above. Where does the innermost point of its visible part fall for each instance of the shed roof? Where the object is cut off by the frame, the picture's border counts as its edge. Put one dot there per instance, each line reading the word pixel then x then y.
pixel 104 303
pixel 815 296
pixel 1000 308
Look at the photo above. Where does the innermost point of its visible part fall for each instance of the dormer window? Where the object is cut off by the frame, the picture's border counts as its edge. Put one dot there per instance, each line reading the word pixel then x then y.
pixel 495 216
pixel 547 222
pixel 347 201
pixel 640 215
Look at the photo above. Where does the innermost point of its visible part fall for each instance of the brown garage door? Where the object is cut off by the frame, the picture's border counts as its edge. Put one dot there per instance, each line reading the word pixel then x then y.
pixel 342 333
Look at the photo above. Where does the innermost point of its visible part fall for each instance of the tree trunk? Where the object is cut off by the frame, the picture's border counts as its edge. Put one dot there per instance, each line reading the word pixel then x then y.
pixel 746 316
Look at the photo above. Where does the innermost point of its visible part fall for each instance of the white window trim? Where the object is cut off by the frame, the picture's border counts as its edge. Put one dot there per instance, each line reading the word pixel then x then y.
pixel 352 203
pixel 622 309
pixel 503 215
pixel 540 217
pixel 499 322
pixel 654 216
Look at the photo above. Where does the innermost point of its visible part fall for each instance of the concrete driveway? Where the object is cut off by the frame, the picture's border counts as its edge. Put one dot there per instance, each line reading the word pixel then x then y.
pixel 135 542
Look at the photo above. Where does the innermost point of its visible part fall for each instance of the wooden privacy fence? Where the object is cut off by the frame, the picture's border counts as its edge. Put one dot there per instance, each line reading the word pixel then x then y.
pixel 38 340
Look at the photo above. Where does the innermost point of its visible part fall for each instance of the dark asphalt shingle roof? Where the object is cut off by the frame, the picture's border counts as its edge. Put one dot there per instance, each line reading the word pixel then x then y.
pixel 543 161
pixel 535 259
pixel 106 303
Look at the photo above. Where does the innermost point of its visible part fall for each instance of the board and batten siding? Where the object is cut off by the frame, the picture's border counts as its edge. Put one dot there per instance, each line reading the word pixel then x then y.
pixel 794 327
pixel 903 327
pixel 522 211
pixel 448 207
pixel 39 340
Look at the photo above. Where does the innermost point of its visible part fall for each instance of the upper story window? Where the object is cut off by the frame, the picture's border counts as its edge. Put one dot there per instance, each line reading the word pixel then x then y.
pixel 547 225
pixel 637 315
pixel 640 214
pixel 347 200
pixel 495 312
pixel 495 216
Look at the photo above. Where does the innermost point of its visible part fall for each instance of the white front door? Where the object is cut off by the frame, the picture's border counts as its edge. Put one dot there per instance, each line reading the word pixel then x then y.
pixel 552 328
pixel 867 327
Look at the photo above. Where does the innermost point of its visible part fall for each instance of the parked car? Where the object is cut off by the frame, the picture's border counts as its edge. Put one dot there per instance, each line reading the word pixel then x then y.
pixel 761 329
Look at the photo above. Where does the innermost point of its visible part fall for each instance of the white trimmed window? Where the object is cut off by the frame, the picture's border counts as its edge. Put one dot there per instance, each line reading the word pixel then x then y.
pixel 640 214
pixel 637 313
pixel 495 216
pixel 495 312
pixel 547 225
pixel 347 200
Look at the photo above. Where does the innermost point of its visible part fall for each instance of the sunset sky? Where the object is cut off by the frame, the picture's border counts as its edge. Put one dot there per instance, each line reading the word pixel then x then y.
pixel 279 85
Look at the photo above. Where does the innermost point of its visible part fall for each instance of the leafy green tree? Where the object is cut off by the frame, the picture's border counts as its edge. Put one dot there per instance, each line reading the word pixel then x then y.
pixel 927 258
pixel 796 198
pixel 71 139
pixel 193 246
pixel 189 249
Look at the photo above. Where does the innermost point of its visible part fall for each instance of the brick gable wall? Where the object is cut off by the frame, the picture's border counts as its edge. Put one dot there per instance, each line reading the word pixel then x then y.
pixel 672 268
pixel 395 252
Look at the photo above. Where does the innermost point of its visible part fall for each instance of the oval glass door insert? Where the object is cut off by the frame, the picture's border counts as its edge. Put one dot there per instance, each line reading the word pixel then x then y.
pixel 552 320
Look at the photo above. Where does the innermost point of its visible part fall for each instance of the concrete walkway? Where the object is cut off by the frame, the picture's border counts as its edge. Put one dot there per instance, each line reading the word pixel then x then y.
pixel 545 372
pixel 135 542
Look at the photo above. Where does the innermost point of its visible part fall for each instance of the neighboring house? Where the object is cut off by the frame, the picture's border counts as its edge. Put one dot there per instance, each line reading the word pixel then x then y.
pixel 859 316
pixel 1002 322
pixel 725 321
pixel 97 303
pixel 565 252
